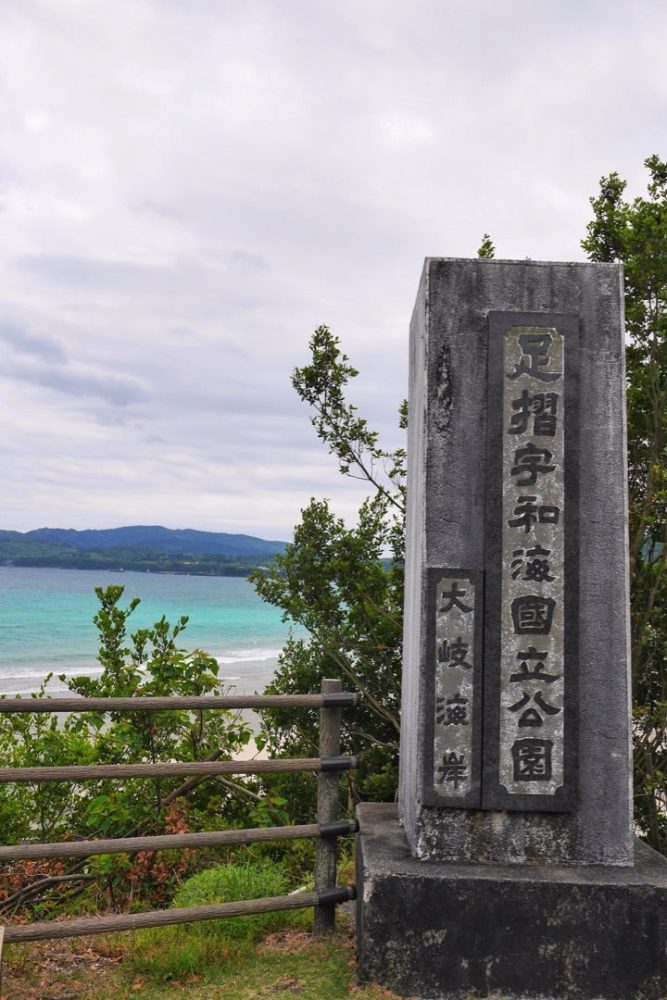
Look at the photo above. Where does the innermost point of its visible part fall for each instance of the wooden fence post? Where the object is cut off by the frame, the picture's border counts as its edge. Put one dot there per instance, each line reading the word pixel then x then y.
pixel 324 919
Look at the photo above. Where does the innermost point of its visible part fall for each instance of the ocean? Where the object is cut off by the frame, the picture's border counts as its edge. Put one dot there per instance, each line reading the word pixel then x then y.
pixel 46 623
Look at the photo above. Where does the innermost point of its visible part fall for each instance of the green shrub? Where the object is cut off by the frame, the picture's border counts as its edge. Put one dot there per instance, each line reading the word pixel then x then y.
pixel 173 952
pixel 227 884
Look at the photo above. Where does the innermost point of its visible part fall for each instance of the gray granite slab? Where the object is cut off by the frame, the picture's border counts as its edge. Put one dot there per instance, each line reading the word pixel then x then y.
pixel 581 812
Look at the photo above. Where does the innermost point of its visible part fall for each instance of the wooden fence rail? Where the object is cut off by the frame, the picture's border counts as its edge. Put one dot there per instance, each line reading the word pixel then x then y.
pixel 328 699
pixel 189 914
pixel 95 772
pixel 172 841
pixel 326 830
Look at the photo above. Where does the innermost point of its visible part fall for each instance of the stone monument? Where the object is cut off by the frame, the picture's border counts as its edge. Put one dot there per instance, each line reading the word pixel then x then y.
pixel 510 867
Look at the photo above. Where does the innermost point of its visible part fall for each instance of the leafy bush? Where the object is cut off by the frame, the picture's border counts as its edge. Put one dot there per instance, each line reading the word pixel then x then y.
pixel 147 662
pixel 177 951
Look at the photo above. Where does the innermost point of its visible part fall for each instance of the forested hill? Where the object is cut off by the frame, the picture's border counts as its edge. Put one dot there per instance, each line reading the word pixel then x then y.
pixel 141 547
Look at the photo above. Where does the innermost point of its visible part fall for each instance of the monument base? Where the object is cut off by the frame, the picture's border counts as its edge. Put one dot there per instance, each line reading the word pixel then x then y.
pixel 450 931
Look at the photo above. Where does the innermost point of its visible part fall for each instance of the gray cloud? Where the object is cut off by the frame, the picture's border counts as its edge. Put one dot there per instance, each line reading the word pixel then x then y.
pixel 80 271
pixel 187 190
pixel 29 343
pixel 118 392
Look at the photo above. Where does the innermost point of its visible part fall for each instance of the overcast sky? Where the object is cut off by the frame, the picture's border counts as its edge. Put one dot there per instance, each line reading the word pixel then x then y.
pixel 189 187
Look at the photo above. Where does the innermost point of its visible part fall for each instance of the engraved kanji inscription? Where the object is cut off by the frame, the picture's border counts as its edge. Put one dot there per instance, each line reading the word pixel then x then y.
pixel 454 653
pixel 536 358
pixel 532 667
pixel 535 709
pixel 454 685
pixel 452 770
pixel 532 564
pixel 528 513
pixel 452 599
pixel 540 407
pixel 529 462
pixel 532 676
pixel 531 759
pixel 532 614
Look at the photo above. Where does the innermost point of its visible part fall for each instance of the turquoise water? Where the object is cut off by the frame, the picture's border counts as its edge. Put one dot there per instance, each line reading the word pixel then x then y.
pixel 46 623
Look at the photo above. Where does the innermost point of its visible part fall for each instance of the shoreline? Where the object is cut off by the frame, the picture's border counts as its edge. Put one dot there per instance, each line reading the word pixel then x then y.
pixel 238 675
pixel 233 569
pixel 131 569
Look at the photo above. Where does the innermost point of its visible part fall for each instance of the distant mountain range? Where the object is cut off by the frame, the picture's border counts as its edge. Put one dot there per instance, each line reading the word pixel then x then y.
pixel 142 547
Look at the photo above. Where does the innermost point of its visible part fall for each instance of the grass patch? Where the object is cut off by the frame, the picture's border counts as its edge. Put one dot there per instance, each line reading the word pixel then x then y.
pixel 183 950
pixel 282 966
pixel 245 958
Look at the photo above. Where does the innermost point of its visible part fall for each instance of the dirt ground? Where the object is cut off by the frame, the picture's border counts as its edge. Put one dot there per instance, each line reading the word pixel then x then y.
pixel 56 970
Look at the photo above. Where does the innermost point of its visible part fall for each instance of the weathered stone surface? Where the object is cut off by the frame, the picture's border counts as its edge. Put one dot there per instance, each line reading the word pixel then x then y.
pixel 449 527
pixel 456 619
pixel 444 931
pixel 531 511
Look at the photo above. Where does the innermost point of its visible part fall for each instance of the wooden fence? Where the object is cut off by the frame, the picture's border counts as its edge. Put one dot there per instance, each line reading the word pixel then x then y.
pixel 326 896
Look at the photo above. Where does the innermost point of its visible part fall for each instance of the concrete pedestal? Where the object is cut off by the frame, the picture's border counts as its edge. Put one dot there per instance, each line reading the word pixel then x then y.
pixel 454 931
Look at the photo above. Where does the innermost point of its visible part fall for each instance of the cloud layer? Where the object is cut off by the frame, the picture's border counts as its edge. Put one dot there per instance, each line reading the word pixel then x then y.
pixel 187 190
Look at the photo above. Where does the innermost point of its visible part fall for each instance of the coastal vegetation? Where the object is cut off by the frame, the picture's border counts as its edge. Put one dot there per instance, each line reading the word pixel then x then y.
pixel 344 585
pixel 151 549
pixel 330 577
pixel 148 661
pixel 139 560
pixel 231 953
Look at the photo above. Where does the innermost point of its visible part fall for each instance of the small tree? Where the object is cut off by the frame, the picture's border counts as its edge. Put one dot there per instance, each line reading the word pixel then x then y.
pixel 344 585
pixel 486 249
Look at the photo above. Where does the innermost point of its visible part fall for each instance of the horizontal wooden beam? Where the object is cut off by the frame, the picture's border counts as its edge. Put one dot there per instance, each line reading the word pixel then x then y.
pixel 162 918
pixel 211 838
pixel 95 772
pixel 339 699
